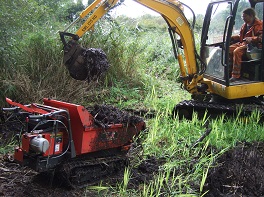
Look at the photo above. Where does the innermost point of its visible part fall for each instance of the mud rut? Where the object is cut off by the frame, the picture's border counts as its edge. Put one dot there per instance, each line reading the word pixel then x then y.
pixel 238 172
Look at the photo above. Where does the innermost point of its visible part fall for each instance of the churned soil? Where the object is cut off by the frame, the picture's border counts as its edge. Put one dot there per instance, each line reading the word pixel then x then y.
pixel 237 172
pixel 106 115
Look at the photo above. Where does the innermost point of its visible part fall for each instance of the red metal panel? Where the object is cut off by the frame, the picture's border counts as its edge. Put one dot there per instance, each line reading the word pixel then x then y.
pixel 18 155
pixel 32 109
pixel 87 136
pixel 88 139
pixel 80 119
pixel 25 143
pixel 76 111
pixel 55 147
pixel 114 136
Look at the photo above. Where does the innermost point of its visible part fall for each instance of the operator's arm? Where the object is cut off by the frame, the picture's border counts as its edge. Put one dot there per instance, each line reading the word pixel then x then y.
pixel 235 38
pixel 255 40
pixel 256 37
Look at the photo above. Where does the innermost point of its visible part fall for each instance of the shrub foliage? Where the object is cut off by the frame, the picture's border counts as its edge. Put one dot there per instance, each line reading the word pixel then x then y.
pixel 31 51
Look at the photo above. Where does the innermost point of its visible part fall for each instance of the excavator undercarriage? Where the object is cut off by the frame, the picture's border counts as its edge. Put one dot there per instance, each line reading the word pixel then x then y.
pixel 217 107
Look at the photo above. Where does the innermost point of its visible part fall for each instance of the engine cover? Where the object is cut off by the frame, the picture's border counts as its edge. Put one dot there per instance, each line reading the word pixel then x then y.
pixel 39 144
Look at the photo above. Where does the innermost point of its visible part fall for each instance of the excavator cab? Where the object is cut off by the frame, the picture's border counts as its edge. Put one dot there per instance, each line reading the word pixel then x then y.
pixel 222 20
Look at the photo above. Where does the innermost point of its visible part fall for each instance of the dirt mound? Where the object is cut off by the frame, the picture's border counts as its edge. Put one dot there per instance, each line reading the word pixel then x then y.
pixel 145 172
pixel 107 114
pixel 238 172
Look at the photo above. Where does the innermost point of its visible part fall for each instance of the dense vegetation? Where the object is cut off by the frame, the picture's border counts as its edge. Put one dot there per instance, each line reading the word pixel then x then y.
pixel 143 74
pixel 31 53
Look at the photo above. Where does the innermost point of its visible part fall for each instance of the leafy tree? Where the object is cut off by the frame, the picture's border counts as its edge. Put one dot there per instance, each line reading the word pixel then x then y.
pixel 52 5
pixel 17 18
pixel 199 23
pixel 72 9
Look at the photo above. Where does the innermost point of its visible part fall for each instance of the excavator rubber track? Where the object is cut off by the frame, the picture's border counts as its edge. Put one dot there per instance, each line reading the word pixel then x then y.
pixel 186 108
pixel 80 173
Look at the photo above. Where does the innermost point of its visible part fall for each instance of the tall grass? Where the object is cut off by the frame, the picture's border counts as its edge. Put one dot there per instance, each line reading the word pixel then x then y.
pixel 186 166
pixel 38 70
pixel 142 73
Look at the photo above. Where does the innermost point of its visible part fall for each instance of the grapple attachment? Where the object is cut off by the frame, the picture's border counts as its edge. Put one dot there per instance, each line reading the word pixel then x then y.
pixel 83 64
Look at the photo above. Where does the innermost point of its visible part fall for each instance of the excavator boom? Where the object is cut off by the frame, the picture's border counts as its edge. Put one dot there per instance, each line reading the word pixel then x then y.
pixel 75 56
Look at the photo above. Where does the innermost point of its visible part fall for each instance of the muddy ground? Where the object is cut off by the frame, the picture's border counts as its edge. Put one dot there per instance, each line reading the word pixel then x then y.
pixel 238 172
pixel 21 181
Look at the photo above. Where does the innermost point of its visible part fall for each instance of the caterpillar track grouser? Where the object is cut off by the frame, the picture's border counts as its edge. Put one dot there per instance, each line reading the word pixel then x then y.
pixel 65 137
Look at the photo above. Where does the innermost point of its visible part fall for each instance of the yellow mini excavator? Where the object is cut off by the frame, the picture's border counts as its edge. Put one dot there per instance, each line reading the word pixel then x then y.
pixel 205 74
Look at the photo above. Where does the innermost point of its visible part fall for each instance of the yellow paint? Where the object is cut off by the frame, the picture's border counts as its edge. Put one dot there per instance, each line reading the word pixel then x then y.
pixel 237 91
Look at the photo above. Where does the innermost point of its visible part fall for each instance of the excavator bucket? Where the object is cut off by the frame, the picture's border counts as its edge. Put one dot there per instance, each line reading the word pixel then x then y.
pixel 84 64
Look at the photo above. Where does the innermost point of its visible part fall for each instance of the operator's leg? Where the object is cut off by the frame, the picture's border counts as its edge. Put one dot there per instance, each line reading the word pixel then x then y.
pixel 237 59
pixel 233 47
pixel 231 50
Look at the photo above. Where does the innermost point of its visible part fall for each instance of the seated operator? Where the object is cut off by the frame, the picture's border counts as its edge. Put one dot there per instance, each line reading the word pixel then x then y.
pixel 249 33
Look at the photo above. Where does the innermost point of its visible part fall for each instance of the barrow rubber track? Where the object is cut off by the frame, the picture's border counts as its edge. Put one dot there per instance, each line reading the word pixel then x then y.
pixel 79 173
pixel 186 108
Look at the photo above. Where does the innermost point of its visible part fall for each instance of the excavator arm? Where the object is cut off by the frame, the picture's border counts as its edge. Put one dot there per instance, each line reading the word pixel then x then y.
pixel 170 10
